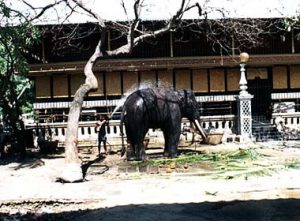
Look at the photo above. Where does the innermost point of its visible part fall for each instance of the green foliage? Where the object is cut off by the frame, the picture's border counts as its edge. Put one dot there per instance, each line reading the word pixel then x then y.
pixel 294 165
pixel 243 163
pixel 233 157
pixel 15 42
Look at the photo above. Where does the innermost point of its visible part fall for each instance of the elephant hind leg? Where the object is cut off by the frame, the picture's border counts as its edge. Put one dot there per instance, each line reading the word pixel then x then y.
pixel 136 141
pixel 140 148
pixel 140 152
pixel 136 151
pixel 130 154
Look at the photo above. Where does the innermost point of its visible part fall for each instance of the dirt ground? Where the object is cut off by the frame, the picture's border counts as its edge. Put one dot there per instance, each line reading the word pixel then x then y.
pixel 112 190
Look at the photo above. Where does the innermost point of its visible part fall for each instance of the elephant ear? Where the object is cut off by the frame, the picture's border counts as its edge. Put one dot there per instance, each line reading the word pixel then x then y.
pixel 182 97
pixel 189 96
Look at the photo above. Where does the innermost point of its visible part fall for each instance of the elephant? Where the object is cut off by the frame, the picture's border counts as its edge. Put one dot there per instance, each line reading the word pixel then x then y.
pixel 155 108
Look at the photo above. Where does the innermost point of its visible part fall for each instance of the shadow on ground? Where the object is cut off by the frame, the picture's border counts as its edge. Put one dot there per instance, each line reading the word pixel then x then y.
pixel 32 159
pixel 90 163
pixel 260 210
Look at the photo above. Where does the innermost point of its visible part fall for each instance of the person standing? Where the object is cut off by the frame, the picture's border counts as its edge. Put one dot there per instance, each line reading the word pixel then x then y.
pixel 100 128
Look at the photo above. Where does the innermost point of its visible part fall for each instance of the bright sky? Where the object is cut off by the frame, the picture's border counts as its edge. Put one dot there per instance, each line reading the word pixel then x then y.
pixel 236 8
pixel 163 9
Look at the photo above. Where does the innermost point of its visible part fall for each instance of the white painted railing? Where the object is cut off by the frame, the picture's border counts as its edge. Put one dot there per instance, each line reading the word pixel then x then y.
pixel 220 122
pixel 87 132
pixel 290 119
pixel 285 96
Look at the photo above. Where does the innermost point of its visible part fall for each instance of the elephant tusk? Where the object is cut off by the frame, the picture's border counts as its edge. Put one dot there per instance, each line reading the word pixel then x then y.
pixel 200 129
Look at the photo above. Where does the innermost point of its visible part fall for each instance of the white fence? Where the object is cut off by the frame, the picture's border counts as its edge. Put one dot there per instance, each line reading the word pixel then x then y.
pixel 290 119
pixel 87 132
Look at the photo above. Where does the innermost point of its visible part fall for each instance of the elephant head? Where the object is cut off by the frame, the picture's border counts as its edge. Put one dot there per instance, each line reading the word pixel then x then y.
pixel 190 109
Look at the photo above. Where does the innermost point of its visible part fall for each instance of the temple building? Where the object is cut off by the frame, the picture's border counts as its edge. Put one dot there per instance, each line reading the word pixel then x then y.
pixel 272 72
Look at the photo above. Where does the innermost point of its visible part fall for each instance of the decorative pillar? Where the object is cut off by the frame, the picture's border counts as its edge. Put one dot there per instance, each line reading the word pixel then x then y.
pixel 244 102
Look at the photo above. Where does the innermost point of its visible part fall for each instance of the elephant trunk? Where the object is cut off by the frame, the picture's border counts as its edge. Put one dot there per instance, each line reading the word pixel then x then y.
pixel 200 129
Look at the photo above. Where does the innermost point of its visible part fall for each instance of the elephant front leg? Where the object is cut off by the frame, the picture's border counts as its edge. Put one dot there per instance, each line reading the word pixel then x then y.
pixel 172 136
pixel 173 145
pixel 166 150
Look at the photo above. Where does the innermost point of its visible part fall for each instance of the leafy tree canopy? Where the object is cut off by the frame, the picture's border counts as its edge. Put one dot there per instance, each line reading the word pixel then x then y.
pixel 15 42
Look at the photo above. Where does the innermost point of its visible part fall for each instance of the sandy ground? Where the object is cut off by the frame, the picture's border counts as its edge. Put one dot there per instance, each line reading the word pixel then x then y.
pixel 29 190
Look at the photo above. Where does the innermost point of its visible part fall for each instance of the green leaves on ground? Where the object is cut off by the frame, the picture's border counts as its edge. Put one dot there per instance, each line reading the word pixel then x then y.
pixel 225 165
pixel 294 165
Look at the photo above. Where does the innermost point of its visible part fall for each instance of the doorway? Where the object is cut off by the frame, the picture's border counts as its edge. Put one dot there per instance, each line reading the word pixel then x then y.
pixel 261 102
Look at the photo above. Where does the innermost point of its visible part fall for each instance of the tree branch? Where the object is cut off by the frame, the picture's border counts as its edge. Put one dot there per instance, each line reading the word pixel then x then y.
pixel 43 9
pixel 173 24
pixel 89 11
pixel 134 24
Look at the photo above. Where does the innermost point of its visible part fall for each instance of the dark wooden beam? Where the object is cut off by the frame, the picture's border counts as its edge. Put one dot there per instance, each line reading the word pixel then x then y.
pixel 164 63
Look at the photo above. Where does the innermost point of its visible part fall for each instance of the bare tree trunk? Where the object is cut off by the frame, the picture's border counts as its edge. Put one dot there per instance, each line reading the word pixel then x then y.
pixel 72 171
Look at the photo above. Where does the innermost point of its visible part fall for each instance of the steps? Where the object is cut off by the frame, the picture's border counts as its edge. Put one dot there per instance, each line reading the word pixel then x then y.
pixel 263 130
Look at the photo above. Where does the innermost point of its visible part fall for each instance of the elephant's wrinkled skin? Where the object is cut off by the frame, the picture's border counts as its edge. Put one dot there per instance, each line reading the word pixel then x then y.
pixel 157 108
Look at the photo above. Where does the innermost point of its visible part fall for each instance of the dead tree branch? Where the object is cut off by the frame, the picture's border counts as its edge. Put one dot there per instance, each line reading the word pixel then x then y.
pixel 172 24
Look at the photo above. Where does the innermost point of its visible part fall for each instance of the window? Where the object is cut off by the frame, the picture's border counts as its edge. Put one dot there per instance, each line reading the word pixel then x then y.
pixel 217 80
pixel 200 80
pixel 280 77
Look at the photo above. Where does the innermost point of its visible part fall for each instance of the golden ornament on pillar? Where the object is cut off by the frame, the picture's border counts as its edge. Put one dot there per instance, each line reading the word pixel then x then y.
pixel 244 57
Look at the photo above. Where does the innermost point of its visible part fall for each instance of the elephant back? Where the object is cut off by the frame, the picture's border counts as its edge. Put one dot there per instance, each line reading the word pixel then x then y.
pixel 153 101
pixel 152 96
pixel 148 97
